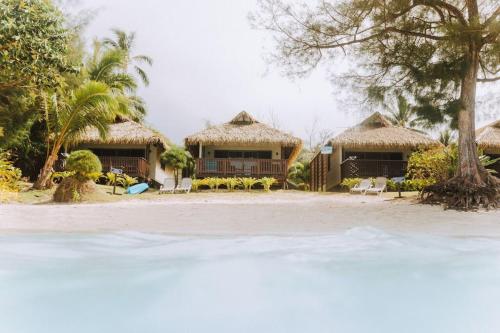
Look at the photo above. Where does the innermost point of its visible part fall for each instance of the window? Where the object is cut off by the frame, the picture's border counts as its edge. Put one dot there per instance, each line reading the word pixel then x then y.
pixel 250 154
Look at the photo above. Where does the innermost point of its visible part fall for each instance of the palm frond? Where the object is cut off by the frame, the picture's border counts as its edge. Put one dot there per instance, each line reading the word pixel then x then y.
pixel 110 62
pixel 142 74
pixel 143 59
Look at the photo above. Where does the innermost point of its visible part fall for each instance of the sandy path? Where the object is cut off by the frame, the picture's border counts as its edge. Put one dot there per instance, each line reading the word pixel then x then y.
pixel 249 214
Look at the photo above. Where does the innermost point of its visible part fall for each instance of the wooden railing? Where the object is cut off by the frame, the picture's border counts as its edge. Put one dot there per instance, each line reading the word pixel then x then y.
pixel 241 167
pixel 373 168
pixel 132 166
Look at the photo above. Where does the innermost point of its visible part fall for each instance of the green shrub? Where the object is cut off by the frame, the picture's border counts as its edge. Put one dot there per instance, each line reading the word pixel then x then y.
pixel 84 164
pixel 123 180
pixel 195 186
pixel 128 181
pixel 248 182
pixel 349 183
pixel 300 174
pixel 435 165
pixel 211 182
pixel 267 182
pixel 232 183
pixel 9 178
pixel 58 176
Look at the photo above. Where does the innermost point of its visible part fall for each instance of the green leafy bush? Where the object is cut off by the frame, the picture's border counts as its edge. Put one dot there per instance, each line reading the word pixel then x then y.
pixel 349 183
pixel 248 182
pixel 300 174
pixel 58 176
pixel 195 186
pixel 9 177
pixel 121 180
pixel 435 165
pixel 232 183
pixel 84 164
pixel 267 182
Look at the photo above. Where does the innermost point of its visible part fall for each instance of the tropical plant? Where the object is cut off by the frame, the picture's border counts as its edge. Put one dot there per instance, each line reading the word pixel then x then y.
pixel 446 137
pixel 248 182
pixel 195 186
pixel 486 161
pixel 58 176
pixel 402 114
pixel 211 182
pixel 84 165
pixel 125 43
pixel 435 51
pixel 267 182
pixel 232 183
pixel 437 164
pixel 299 174
pixel 107 66
pixel 349 183
pixel 9 175
pixel 175 158
pixel 91 105
pixel 128 181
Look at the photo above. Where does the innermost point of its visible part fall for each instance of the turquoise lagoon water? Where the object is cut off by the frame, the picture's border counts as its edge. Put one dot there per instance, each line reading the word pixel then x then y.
pixel 362 280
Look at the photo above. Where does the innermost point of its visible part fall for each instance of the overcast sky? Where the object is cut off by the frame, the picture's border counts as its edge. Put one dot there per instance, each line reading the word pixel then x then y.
pixel 208 66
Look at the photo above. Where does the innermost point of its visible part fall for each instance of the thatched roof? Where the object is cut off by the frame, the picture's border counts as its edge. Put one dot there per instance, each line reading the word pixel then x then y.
pixel 243 130
pixel 488 137
pixel 125 132
pixel 377 131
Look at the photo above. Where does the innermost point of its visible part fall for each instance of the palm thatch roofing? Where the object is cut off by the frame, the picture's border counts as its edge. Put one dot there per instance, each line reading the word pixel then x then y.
pixel 243 130
pixel 377 131
pixel 124 132
pixel 488 137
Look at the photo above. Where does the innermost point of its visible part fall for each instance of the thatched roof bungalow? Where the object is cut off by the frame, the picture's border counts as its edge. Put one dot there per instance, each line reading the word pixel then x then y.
pixel 488 139
pixel 129 145
pixel 243 147
pixel 374 147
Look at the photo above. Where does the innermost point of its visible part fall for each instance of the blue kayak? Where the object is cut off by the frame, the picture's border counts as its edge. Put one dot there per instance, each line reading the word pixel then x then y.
pixel 139 188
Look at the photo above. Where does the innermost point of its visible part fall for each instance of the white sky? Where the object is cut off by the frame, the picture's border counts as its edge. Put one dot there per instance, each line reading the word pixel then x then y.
pixel 208 65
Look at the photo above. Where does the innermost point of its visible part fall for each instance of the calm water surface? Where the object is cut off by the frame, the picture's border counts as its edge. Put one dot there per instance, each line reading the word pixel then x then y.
pixel 363 280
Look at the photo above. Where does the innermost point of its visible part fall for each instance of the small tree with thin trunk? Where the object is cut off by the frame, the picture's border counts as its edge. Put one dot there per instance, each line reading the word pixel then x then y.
pixel 434 50
pixel 175 158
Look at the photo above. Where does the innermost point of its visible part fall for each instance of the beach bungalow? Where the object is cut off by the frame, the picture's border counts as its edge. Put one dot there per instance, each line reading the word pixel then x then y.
pixel 130 146
pixel 243 147
pixel 488 139
pixel 373 148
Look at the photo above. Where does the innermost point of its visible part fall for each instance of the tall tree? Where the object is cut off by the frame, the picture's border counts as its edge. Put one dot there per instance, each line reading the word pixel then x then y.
pixel 436 50
pixel 126 42
pixel 34 48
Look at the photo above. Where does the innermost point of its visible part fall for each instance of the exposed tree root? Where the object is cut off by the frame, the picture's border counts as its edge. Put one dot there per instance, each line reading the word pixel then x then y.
pixel 462 194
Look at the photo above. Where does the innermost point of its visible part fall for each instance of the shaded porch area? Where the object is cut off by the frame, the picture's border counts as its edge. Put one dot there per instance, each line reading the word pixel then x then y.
pixel 242 167
pixel 354 168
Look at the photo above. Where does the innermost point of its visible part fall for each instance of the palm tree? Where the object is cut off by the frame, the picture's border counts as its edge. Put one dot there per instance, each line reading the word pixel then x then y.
pixel 403 115
pixel 107 66
pixel 126 42
pixel 90 105
pixel 446 137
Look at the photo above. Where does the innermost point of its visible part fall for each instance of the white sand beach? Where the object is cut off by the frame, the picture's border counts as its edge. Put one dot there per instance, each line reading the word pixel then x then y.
pixel 277 213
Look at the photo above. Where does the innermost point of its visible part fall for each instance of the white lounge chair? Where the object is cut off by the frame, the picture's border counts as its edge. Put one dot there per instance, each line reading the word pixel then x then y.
pixel 168 186
pixel 362 187
pixel 185 185
pixel 380 186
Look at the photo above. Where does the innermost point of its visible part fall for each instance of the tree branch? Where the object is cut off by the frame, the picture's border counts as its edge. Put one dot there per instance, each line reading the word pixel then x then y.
pixel 490 79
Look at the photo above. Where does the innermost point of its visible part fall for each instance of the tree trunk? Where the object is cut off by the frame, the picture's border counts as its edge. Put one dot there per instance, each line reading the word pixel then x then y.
pixel 44 177
pixel 469 167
